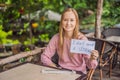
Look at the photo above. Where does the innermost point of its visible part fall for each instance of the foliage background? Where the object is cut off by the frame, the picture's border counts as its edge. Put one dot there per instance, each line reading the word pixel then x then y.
pixel 12 12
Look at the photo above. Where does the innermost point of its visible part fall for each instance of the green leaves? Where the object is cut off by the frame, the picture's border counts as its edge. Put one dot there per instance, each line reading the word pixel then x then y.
pixel 8 2
pixel 44 37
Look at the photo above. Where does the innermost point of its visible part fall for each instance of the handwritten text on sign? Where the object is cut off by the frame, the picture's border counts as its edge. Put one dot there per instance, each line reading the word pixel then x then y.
pixel 82 46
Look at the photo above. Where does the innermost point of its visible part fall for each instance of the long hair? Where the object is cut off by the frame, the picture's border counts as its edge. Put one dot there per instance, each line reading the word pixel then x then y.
pixel 61 31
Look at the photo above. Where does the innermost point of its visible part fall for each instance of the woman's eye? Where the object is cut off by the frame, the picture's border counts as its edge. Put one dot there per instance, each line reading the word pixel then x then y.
pixel 65 19
pixel 72 20
pixel 69 20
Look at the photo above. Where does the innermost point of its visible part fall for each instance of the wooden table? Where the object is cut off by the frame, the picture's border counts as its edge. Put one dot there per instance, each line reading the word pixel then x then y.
pixel 30 71
pixel 115 39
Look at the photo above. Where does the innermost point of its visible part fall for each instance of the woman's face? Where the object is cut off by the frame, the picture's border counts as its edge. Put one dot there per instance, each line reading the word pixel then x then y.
pixel 69 21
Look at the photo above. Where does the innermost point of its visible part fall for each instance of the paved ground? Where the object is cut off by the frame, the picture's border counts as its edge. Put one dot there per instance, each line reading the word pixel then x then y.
pixel 115 74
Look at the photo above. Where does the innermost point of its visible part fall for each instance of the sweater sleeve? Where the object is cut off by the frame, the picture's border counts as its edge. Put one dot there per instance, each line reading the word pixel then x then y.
pixel 49 51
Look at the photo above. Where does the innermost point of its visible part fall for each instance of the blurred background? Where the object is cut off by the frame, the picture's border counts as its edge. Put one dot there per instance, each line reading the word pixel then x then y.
pixel 30 23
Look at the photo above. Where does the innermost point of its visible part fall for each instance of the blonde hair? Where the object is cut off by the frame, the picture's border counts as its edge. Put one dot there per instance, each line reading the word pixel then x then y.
pixel 61 31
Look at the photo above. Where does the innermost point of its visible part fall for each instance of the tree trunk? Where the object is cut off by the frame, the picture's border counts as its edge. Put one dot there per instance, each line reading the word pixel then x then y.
pixel 20 55
pixel 98 19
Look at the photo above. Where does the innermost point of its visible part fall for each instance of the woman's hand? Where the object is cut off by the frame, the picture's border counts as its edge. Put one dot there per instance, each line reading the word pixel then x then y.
pixel 94 55
pixel 53 65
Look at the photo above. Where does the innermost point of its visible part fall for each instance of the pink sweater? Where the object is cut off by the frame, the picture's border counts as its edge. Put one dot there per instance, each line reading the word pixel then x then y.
pixel 78 62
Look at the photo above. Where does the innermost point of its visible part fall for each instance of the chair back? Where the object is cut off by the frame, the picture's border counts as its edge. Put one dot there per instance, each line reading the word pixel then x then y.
pixel 55 59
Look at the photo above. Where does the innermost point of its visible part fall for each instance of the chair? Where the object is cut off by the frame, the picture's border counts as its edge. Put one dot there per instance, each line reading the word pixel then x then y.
pixel 109 32
pixel 106 51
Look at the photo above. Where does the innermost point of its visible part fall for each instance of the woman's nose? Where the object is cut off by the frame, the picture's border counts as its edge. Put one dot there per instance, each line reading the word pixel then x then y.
pixel 68 22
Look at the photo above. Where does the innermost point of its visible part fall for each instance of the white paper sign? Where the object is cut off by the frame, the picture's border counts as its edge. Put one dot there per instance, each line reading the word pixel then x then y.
pixel 82 46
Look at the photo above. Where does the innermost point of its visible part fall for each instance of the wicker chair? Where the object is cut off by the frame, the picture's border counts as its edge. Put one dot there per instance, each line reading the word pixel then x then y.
pixel 113 32
pixel 106 51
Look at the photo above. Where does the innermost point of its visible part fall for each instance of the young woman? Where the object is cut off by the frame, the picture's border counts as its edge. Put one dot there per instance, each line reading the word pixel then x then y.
pixel 60 43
